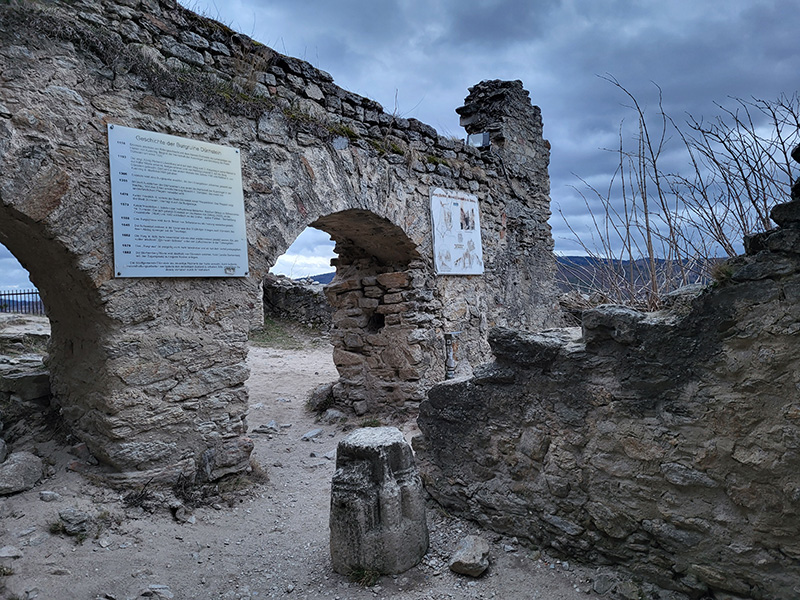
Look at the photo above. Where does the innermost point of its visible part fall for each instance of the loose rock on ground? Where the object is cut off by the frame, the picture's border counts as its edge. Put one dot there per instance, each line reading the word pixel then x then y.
pixel 253 543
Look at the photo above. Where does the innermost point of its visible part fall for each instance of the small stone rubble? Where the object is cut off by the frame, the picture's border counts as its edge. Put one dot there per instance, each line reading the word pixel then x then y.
pixel 24 401
pixel 20 471
pixel 471 556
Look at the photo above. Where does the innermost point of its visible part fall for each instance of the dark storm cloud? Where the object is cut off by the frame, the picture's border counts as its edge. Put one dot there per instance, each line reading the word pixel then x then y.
pixel 419 57
pixel 489 23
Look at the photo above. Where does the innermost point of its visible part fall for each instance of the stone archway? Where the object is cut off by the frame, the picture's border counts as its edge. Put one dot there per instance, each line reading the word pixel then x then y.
pixel 384 347
pixel 78 324
pixel 151 372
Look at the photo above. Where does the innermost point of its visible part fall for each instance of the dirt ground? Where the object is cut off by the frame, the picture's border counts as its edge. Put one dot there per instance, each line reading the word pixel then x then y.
pixel 265 536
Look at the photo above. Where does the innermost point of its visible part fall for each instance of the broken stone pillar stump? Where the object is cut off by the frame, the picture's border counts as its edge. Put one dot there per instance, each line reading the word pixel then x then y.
pixel 377 517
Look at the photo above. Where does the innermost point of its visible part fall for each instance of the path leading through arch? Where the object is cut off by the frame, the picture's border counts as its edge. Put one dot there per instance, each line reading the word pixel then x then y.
pixel 258 542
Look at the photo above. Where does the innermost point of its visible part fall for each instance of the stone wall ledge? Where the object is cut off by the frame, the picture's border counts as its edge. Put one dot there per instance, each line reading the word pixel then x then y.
pixel 664 442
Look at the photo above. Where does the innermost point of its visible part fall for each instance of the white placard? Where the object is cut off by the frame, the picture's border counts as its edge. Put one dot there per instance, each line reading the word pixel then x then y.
pixel 177 206
pixel 455 219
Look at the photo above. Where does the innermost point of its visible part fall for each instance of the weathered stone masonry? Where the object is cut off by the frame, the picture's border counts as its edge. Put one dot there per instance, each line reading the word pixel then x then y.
pixel 303 301
pixel 151 372
pixel 667 442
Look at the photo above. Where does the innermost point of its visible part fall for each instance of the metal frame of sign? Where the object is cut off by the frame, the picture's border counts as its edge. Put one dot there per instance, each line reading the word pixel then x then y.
pixel 177 206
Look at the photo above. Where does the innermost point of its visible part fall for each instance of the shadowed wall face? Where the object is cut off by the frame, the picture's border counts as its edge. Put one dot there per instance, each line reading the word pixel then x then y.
pixel 667 442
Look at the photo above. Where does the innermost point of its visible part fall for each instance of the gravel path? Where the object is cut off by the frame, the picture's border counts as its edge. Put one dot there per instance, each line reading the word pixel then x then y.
pixel 268 539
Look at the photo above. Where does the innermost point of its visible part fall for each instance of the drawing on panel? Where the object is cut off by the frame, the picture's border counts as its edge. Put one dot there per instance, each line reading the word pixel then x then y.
pixel 445 222
pixel 455 222
pixel 444 260
pixel 467 218
pixel 470 259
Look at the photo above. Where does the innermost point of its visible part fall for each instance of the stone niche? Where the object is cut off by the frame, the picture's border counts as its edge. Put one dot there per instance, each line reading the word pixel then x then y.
pixel 666 442
pixel 151 373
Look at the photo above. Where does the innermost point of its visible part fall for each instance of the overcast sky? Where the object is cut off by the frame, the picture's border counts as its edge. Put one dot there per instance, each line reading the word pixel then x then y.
pixel 418 57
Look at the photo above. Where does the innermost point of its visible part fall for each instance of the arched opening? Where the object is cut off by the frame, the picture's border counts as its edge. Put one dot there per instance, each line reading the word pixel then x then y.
pixel 72 349
pixel 19 301
pixel 24 383
pixel 310 254
pixel 382 320
pixel 293 288
pixel 34 343
pixel 12 274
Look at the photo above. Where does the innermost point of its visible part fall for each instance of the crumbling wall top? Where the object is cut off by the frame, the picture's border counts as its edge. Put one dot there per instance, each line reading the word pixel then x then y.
pixel 491 103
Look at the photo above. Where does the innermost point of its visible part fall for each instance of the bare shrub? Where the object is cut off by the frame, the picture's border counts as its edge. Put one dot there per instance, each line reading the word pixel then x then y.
pixel 655 229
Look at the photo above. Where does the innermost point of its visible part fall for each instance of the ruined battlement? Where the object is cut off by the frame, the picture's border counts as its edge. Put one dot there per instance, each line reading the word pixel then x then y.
pixel 151 372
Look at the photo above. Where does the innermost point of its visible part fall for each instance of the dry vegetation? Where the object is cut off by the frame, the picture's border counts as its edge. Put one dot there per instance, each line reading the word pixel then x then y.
pixel 666 222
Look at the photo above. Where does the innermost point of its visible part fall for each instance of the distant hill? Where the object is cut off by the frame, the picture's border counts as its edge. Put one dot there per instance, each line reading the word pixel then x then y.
pixel 587 273
pixel 324 279
pixel 575 272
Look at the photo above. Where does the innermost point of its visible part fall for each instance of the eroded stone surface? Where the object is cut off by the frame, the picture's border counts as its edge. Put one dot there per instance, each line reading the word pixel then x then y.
pixel 74 521
pixel 471 556
pixel 19 472
pixel 377 516
pixel 667 442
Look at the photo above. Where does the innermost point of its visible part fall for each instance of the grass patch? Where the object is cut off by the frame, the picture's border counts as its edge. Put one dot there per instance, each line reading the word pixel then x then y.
pixel 276 334
pixel 435 160
pixel 298 115
pixel 364 577
pixel 56 528
pixel 283 334
pixel 384 147
pixel 371 422
pixel 721 272
pixel 339 129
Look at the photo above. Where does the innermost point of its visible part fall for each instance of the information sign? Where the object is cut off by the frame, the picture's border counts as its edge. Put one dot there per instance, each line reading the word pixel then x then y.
pixel 177 206
pixel 455 219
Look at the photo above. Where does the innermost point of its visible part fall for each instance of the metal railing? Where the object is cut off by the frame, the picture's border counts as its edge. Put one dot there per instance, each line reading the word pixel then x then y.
pixel 26 302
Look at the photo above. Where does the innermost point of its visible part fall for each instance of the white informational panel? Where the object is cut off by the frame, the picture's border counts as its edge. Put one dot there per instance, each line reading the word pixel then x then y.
pixel 177 206
pixel 455 217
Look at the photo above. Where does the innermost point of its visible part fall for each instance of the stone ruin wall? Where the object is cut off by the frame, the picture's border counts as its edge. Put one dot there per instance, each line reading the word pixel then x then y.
pixel 302 300
pixel 151 373
pixel 666 442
